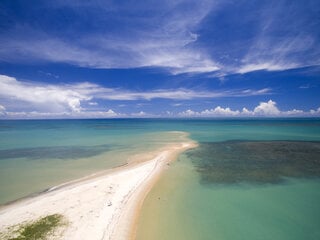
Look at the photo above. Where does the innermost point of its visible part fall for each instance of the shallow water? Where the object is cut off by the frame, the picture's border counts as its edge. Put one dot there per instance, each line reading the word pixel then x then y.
pixel 36 155
pixel 247 180
pixel 251 198
pixel 181 207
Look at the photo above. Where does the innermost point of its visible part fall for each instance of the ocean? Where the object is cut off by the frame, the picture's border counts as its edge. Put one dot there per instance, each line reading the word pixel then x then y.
pixel 248 179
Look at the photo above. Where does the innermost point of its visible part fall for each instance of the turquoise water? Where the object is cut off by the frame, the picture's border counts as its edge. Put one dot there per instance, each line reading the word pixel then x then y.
pixel 248 179
pixel 36 155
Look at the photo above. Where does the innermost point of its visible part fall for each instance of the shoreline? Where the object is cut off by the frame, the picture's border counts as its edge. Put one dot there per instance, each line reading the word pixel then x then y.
pixel 104 205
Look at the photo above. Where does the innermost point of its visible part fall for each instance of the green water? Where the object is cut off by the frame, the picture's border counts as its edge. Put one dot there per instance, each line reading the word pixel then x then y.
pixel 248 179
pixel 37 155
pixel 180 207
pixel 187 204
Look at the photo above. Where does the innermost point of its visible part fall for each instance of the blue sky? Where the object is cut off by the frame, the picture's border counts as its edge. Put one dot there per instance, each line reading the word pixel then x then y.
pixel 88 59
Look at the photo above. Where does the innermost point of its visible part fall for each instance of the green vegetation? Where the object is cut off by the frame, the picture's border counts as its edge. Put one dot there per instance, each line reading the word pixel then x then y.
pixel 38 230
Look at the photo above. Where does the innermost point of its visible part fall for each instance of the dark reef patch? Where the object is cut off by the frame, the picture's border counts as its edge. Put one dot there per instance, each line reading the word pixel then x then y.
pixel 256 161
pixel 54 152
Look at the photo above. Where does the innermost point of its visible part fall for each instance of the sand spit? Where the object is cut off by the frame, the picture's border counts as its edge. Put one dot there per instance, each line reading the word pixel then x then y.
pixel 100 207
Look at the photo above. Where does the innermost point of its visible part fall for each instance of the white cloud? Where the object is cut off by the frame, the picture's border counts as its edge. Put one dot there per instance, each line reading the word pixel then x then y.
pixel 183 94
pixel 166 34
pixel 293 48
pixel 93 103
pixel 140 114
pixel 268 66
pixel 252 92
pixel 181 60
pixel 35 100
pixel 315 112
pixel 189 113
pixel 216 112
pixel 219 111
pixel 69 97
pixel 98 114
pixel 40 95
pixel 263 109
pixel 111 113
pixel 246 112
pixel 167 44
pixel 294 112
pixel 2 108
pixel 176 104
pixel 266 109
pixel 304 86
pixel 162 93
pixel 99 51
pixel 53 115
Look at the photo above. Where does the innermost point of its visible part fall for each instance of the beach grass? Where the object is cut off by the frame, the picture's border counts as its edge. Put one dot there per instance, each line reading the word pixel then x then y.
pixel 40 229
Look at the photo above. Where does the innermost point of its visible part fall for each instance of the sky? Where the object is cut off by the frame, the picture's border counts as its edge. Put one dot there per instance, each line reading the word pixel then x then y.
pixel 167 59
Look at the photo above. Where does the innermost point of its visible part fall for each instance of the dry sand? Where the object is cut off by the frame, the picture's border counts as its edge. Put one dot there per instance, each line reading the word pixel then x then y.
pixel 101 207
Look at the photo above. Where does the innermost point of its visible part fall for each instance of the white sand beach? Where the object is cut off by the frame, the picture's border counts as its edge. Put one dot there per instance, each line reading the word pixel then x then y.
pixel 104 206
